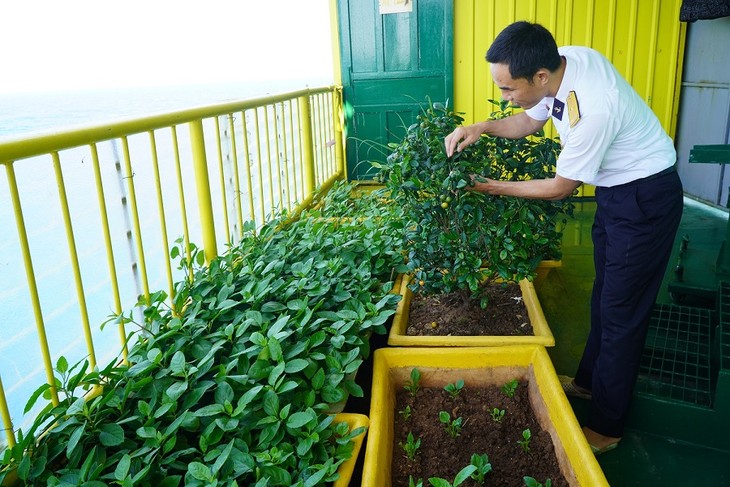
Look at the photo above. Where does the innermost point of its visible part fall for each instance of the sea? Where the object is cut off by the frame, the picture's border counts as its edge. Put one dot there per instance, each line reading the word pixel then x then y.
pixel 26 114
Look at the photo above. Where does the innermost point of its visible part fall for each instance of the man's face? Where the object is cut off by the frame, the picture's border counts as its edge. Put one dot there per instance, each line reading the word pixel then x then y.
pixel 519 92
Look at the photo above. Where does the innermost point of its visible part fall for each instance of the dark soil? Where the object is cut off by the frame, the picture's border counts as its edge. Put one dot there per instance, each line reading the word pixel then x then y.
pixel 441 455
pixel 457 314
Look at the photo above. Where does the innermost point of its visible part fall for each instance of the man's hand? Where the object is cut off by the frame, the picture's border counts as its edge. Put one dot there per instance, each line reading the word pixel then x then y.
pixel 462 137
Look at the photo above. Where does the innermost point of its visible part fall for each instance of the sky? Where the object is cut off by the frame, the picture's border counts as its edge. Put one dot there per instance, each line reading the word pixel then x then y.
pixel 51 45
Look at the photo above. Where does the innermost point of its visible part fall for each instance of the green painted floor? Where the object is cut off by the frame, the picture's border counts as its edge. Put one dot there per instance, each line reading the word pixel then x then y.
pixel 648 455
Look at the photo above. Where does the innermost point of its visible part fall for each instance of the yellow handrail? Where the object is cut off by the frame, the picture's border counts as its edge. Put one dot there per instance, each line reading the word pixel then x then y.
pixel 159 171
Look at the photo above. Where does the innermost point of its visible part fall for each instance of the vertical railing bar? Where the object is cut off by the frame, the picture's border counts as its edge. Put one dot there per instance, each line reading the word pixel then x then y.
pixel 337 124
pixel 74 257
pixel 313 110
pixel 30 277
pixel 181 199
pixel 161 211
pixel 202 186
pixel 222 180
pixel 258 162
pixel 103 213
pixel 278 156
pixel 135 217
pixel 330 124
pixel 292 137
pixel 322 136
pixel 249 182
pixel 236 173
pixel 302 161
pixel 285 139
pixel 305 122
pixel 5 415
pixel 268 156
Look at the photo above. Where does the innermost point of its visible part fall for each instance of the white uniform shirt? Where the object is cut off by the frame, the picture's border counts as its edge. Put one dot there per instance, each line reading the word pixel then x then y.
pixel 618 138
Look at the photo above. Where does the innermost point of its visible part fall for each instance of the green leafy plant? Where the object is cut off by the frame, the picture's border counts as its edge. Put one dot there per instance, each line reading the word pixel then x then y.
pixel 460 478
pixel 411 446
pixel 531 482
pixel 454 389
pixel 457 238
pixel 497 415
pixel 525 441
pixel 483 467
pixel 510 388
pixel 414 384
pixel 414 483
pixel 230 380
pixel 406 413
pixel 452 426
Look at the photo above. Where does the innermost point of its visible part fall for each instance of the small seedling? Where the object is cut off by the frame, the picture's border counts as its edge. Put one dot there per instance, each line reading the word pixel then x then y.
pixel 483 467
pixel 453 427
pixel 510 388
pixel 414 384
pixel 406 413
pixel 525 441
pixel 414 483
pixel 497 415
pixel 411 446
pixel 531 482
pixel 460 478
pixel 454 389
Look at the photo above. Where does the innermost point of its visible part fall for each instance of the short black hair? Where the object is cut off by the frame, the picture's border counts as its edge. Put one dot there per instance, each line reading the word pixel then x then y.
pixel 525 48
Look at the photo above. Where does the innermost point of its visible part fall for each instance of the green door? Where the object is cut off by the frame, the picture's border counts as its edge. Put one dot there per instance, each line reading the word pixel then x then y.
pixel 392 64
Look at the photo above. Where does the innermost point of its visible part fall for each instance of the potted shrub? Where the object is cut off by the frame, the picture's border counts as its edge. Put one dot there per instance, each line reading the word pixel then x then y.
pixel 467 370
pixel 460 241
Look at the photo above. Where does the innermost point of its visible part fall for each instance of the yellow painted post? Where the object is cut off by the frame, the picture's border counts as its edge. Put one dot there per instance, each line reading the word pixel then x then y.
pixel 305 125
pixel 202 184
pixel 75 266
pixel 337 123
pixel 32 286
pixel 113 279
pixel 7 420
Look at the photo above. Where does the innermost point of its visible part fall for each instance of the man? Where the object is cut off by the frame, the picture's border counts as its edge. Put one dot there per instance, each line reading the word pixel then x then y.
pixel 611 139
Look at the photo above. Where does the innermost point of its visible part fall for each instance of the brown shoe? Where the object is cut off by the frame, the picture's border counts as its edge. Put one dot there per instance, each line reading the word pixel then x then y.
pixel 571 389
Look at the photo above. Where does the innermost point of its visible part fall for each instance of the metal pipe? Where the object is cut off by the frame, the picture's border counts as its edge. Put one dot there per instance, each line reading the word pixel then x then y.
pixel 202 184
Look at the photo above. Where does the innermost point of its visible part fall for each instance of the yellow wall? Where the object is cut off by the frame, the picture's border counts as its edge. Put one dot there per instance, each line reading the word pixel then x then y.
pixel 643 38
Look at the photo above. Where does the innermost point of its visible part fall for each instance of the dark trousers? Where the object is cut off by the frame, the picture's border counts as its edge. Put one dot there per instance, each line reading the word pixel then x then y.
pixel 633 235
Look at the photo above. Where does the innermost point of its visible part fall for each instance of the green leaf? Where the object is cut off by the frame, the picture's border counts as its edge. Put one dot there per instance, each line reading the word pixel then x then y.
pixel 464 474
pixel 62 365
pixel 177 364
pixel 297 420
pixel 176 390
pixel 271 403
pixel 199 471
pixel 296 365
pixel 73 440
pixel 111 434
pixel 122 470
pixel 34 397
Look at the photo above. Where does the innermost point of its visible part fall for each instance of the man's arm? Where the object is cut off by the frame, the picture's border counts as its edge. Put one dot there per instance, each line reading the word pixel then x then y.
pixel 512 127
pixel 556 188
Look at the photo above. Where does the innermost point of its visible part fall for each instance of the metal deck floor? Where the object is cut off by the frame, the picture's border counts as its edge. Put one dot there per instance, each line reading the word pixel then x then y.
pixel 645 456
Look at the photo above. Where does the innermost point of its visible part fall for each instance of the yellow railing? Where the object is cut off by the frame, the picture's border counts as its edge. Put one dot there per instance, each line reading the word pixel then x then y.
pixel 97 208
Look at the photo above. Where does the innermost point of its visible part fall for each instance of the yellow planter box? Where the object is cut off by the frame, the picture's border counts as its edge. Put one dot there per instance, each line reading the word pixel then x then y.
pixel 477 366
pixel 544 269
pixel 346 469
pixel 542 334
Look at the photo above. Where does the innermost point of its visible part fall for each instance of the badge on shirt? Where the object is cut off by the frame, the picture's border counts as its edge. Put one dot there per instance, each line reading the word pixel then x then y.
pixel 558 108
pixel 573 109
